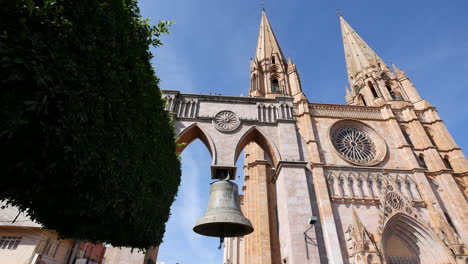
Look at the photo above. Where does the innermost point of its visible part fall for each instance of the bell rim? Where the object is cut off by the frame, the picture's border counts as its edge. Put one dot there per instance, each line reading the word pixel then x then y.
pixel 248 229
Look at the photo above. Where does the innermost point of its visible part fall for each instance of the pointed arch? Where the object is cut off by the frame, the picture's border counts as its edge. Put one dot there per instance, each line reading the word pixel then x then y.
pixel 192 132
pixel 430 133
pixel 447 163
pixel 362 100
pixel 275 83
pixel 404 237
pixel 421 161
pixel 407 134
pixel 372 88
pixel 255 134
pixel 253 82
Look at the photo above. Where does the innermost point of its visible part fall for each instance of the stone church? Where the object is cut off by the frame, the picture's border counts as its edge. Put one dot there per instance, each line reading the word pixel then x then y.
pixel 378 180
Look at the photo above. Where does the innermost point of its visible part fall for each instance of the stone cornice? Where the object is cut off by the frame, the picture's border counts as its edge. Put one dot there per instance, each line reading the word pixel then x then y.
pixel 345 111
pixel 229 98
pixel 258 162
pixel 367 169
pixel 460 174
pixel 287 164
pixel 369 200
pixel 438 172
pixel 449 150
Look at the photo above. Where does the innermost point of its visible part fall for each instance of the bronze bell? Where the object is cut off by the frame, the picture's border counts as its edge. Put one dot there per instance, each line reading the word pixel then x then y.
pixel 223 217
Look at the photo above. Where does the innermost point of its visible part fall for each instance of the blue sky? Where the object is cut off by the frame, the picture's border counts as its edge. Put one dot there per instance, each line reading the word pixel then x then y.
pixel 211 43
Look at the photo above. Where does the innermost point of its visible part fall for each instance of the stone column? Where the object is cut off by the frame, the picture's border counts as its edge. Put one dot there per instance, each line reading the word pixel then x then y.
pixel 258 204
pixel 294 211
pixel 327 221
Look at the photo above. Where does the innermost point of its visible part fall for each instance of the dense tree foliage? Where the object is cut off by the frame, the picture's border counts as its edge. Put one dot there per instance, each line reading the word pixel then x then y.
pixel 87 147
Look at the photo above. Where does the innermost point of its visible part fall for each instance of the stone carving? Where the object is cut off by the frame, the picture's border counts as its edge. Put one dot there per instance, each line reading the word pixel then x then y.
pixel 360 242
pixel 394 200
pixel 226 121
pixel 346 111
pixel 349 185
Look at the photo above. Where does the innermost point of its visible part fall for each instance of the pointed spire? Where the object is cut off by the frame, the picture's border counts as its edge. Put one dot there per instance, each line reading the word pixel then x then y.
pixel 267 43
pixel 357 53
pixel 398 72
pixel 357 224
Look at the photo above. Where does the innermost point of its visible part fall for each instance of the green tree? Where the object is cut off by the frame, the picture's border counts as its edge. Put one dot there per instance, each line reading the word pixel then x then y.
pixel 87 147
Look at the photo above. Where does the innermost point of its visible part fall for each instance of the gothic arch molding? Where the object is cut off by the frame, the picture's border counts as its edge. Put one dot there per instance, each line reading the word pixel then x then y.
pixel 192 132
pixel 423 246
pixel 256 135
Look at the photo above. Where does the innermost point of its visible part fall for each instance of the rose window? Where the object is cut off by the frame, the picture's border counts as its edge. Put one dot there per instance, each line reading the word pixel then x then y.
pixel 354 144
pixel 357 143
pixel 226 121
pixel 394 200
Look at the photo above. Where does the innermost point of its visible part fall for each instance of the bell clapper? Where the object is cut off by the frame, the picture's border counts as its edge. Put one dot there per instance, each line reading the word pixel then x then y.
pixel 221 241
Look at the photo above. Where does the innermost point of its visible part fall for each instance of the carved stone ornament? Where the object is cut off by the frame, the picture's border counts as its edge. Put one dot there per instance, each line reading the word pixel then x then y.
pixel 357 143
pixel 394 200
pixel 226 121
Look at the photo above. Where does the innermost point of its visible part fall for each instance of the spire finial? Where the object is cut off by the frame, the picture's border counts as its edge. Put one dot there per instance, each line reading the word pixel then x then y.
pixel 338 12
pixel 267 43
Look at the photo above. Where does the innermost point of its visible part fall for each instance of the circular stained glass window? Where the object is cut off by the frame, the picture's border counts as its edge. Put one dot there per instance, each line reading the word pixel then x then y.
pixel 357 143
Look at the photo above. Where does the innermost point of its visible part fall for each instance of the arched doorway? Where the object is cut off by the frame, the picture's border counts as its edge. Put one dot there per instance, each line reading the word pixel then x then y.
pixel 404 240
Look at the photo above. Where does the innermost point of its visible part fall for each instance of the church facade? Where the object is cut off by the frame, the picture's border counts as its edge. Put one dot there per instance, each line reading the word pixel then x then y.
pixel 381 175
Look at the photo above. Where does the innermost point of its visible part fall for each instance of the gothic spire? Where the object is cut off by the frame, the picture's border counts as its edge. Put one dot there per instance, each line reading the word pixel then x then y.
pixel 267 44
pixel 357 53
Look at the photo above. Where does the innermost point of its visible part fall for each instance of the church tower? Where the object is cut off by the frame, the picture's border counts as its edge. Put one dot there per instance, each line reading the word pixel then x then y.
pixel 371 81
pixel 270 74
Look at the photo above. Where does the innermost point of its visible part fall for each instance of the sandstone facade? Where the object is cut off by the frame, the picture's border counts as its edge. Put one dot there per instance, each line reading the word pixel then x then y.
pixel 382 174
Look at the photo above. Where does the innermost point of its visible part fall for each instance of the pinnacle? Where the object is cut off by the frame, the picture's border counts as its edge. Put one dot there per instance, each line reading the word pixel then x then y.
pixel 267 44
pixel 358 54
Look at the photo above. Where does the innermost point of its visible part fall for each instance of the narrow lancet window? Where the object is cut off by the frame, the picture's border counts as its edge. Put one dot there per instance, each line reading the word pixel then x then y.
pixel 362 100
pixel 421 161
pixel 447 162
pixel 407 136
pixel 275 88
pixel 371 86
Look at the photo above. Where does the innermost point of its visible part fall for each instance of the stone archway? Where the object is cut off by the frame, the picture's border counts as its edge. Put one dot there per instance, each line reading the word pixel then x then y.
pixel 404 240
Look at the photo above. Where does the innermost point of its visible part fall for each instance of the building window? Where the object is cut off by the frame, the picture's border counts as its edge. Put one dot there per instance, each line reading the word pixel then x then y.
pixel 421 161
pixel 253 85
pixel 395 94
pixel 371 86
pixel 407 136
pixel 362 100
pixel 9 242
pixel 275 88
pixel 429 133
pixel 273 60
pixel 447 162
pixel 390 91
pixel 354 144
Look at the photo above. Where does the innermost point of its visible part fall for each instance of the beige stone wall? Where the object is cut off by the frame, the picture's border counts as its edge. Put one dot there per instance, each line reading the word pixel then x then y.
pixel 115 255
pixel 35 241
pixel 123 256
